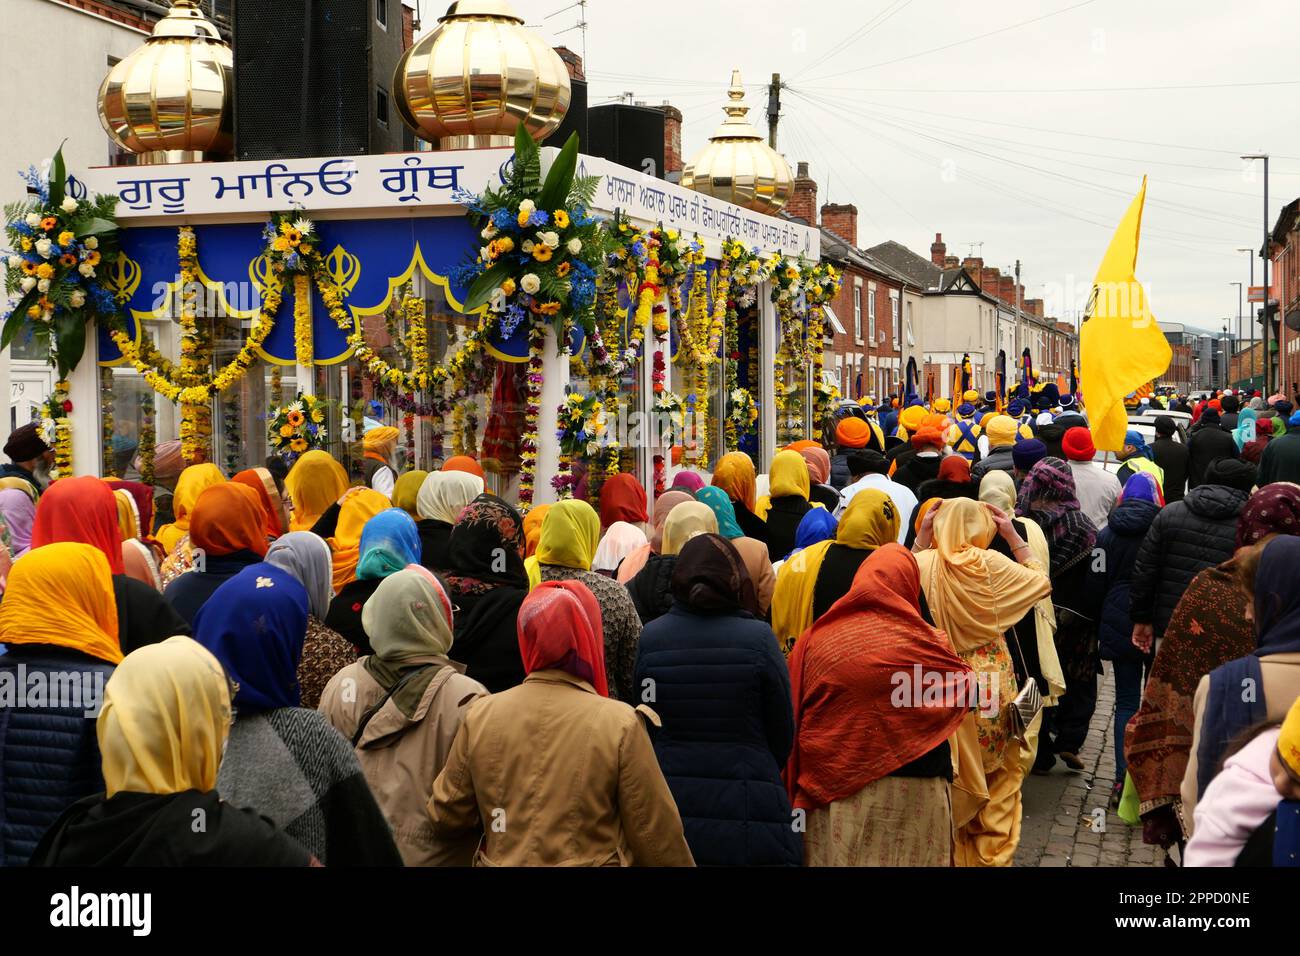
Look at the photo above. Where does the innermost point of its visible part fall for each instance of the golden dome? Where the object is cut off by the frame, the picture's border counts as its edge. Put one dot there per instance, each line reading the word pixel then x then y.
pixel 170 99
pixel 468 83
pixel 737 165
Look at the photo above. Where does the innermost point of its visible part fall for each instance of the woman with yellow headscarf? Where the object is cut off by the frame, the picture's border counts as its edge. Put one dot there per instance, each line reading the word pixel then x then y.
pixel 59 619
pixel 161 731
pixel 314 483
pixel 565 551
pixel 819 575
pixel 735 475
pixel 786 502
pixel 358 508
pixel 974 594
pixel 406 490
pixel 193 481
pixel 651 587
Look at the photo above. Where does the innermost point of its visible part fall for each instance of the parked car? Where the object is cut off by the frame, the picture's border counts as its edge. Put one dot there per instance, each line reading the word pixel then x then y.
pixel 1146 426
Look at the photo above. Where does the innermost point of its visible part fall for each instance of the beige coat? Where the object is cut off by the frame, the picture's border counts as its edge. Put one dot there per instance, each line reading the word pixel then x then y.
pixel 401 755
pixel 549 773
pixel 1281 674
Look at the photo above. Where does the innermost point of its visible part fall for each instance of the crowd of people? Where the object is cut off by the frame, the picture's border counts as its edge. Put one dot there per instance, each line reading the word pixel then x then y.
pixel 854 657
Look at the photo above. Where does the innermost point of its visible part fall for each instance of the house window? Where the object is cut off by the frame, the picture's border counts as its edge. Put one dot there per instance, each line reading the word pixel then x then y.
pixel 857 314
pixel 381 107
pixel 910 338
pixel 381 13
pixel 871 315
pixel 893 318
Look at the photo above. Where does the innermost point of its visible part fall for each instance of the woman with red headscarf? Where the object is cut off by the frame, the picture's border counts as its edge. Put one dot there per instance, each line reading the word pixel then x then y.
pixel 227 533
pixel 84 510
pixel 874 776
pixel 622 498
pixel 571 770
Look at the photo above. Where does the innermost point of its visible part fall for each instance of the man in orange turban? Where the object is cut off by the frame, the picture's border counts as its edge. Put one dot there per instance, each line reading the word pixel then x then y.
pixel 377 465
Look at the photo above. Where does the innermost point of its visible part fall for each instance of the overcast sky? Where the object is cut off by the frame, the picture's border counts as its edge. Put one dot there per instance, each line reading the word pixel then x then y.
pixel 928 127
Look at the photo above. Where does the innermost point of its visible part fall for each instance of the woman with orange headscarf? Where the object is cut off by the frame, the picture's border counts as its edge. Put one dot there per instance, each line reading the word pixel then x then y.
pixel 275 513
pixel 84 510
pixel 466 464
pixel 975 594
pixel 875 776
pixel 58 618
pixel 735 475
pixel 227 533
pixel 314 483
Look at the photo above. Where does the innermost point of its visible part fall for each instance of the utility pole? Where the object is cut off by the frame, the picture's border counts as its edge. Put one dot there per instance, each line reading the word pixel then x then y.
pixel 1250 257
pixel 1018 346
pixel 773 108
pixel 1263 254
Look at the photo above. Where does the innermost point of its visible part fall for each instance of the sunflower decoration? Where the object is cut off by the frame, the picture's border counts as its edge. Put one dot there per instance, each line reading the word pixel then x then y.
pixel 298 427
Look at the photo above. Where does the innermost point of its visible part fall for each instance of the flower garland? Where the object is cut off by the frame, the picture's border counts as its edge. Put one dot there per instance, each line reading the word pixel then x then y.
pixel 580 432
pixel 108 461
pixel 532 414
pixel 148 438
pixel 178 385
pixel 52 278
pixel 234 434
pixel 56 424
pixel 277 385
pixel 304 349
pixel 298 427
pixel 742 419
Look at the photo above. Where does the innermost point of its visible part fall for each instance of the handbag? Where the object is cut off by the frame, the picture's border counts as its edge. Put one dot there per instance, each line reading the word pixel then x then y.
pixel 1028 702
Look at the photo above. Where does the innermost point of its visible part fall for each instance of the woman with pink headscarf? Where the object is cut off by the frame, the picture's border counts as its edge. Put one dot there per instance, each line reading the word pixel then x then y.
pixel 636 560
pixel 819 474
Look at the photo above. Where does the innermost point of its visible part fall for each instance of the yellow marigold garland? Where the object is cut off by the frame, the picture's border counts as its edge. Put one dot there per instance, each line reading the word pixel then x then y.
pixel 304 348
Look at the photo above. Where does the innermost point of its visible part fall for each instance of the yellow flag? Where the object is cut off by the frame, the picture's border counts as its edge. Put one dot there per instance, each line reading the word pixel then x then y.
pixel 1121 346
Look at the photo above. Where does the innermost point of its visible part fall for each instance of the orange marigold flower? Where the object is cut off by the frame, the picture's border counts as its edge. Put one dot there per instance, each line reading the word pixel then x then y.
pixel 542 252
pixel 295 419
pixel 563 268
pixel 49 223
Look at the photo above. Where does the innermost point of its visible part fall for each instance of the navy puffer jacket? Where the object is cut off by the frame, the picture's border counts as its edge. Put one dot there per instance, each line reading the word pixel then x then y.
pixel 722 691
pixel 1109 578
pixel 49 755
pixel 1187 537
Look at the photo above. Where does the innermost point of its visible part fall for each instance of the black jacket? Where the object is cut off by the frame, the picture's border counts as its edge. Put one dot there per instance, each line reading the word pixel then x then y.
pixel 1110 578
pixel 143 615
pixel 722 693
pixel 841 477
pixel 824 495
pixel 10 470
pixel 1208 443
pixel 344 615
pixel 917 470
pixel 751 524
pixel 783 524
pixel 49 756
pixel 1187 537
pixel 487 636
pixel 1172 457
pixel 651 587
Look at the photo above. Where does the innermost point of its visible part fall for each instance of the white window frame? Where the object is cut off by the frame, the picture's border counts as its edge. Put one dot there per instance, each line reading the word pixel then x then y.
pixel 895 318
pixel 871 316
pixel 857 311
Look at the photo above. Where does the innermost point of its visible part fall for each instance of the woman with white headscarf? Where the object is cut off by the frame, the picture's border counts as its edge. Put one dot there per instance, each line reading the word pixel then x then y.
pixel 441 499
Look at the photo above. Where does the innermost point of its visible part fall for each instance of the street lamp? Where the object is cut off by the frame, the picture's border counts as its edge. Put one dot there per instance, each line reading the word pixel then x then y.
pixel 1263 254
pixel 1225 354
pixel 1250 257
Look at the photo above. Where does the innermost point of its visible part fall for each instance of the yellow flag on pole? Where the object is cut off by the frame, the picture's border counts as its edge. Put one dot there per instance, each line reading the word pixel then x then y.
pixel 1121 347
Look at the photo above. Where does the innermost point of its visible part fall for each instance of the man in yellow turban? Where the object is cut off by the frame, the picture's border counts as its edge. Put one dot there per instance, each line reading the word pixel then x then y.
pixel 942 406
pixel 378 466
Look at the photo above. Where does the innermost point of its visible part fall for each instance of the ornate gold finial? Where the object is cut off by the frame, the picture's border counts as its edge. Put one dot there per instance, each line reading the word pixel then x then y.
pixel 737 165
pixel 469 82
pixel 170 100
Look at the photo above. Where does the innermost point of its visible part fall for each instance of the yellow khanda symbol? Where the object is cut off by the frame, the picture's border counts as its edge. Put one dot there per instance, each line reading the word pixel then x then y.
pixel 344 269
pixel 124 278
pixel 259 271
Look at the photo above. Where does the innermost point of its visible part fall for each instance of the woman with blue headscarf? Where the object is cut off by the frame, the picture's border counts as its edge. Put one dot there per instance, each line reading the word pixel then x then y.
pixel 1138 456
pixel 1244 433
pixel 389 542
pixel 282 760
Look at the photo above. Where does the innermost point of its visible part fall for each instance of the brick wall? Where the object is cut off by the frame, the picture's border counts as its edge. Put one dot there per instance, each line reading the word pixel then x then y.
pixel 842 219
pixel 803 198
